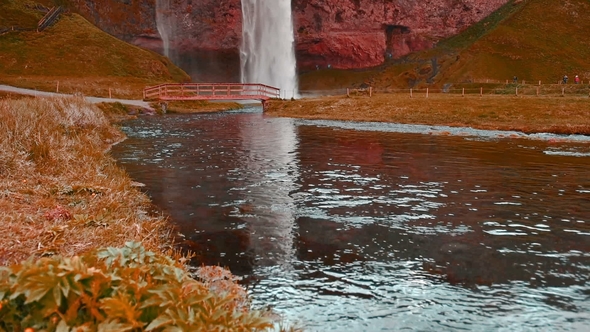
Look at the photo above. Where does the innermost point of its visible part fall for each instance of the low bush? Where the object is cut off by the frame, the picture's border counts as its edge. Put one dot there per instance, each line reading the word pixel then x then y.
pixel 122 289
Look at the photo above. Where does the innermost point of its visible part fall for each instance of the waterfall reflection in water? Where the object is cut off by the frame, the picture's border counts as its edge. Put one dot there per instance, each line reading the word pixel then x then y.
pixel 377 230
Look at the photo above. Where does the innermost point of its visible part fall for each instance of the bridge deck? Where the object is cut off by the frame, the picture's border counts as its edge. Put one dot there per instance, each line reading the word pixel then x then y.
pixel 211 91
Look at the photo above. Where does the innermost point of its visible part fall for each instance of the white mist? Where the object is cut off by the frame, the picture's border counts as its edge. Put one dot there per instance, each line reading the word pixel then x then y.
pixel 267 53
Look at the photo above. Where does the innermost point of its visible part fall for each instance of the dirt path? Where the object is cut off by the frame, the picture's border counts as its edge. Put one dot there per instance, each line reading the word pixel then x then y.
pixel 94 100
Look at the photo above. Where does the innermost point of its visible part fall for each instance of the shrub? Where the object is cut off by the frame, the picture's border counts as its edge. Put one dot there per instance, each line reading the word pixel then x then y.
pixel 122 289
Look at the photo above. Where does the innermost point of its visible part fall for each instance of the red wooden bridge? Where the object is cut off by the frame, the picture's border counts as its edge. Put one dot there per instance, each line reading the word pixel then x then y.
pixel 211 91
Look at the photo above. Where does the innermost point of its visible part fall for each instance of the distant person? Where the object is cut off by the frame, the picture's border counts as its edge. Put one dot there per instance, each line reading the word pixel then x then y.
pixel 515 79
pixel 577 79
pixel 565 78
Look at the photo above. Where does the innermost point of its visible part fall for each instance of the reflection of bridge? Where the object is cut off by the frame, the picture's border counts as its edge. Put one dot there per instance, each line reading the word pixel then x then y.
pixel 211 91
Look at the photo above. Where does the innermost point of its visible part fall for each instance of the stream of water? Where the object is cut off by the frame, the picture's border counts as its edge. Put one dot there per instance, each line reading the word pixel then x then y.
pixel 365 227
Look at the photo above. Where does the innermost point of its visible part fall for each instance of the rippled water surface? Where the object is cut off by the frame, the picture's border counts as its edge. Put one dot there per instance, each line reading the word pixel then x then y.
pixel 350 227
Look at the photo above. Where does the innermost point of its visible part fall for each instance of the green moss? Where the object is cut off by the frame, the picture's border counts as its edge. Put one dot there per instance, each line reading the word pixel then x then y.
pixel 19 13
pixel 542 41
pixel 480 29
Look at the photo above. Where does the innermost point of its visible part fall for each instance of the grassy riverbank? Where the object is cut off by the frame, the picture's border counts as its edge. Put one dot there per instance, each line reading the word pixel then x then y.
pixel 529 114
pixel 63 201
pixel 60 192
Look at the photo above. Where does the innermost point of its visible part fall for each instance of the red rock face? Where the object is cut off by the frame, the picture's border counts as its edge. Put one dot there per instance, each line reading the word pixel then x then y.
pixel 337 33
pixel 128 20
pixel 354 33
pixel 202 24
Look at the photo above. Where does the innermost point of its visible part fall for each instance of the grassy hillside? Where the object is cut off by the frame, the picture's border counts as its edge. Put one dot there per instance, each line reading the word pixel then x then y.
pixel 19 13
pixel 76 54
pixel 531 39
pixel 539 40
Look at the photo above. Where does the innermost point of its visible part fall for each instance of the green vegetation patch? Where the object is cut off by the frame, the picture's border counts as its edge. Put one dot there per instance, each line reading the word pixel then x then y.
pixel 122 289
pixel 483 27
pixel 20 14
pixel 535 40
pixel 74 47
pixel 73 56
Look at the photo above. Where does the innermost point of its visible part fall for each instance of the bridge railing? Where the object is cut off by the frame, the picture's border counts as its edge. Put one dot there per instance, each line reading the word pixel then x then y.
pixel 210 91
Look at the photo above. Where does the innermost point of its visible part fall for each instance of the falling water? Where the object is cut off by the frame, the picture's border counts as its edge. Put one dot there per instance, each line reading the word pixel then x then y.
pixel 164 24
pixel 267 53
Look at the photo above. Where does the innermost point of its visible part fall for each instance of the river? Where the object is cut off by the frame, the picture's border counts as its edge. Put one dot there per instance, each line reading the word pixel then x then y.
pixel 376 227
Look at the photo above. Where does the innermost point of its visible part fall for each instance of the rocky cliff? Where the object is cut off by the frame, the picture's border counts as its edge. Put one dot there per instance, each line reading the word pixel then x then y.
pixel 337 33
pixel 355 33
pixel 133 21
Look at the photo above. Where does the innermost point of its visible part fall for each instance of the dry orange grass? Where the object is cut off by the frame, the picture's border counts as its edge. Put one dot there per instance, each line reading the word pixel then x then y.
pixel 529 114
pixel 60 192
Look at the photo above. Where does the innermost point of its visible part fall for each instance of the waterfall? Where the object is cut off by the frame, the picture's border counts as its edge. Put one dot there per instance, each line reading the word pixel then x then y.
pixel 267 53
pixel 165 22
